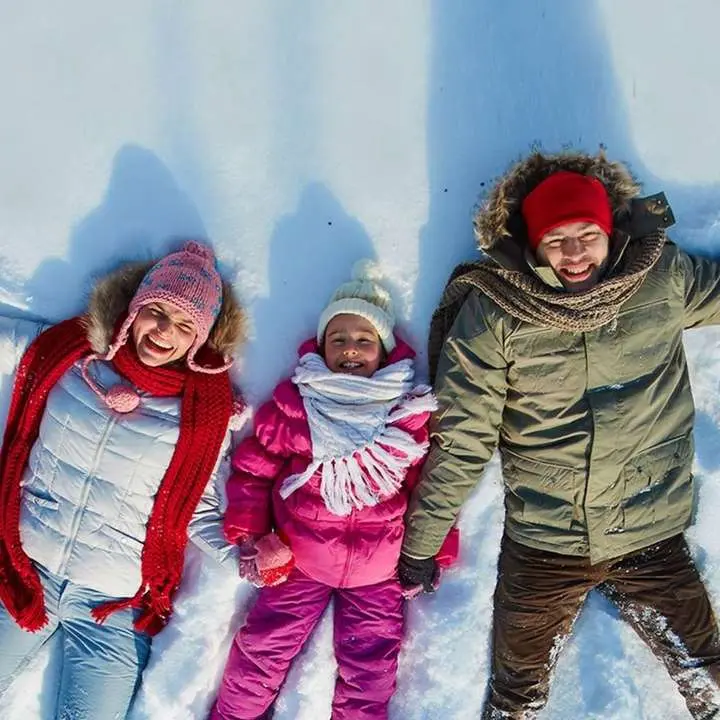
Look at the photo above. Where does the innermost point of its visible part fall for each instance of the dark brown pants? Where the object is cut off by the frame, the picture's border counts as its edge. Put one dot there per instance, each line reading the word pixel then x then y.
pixel 657 590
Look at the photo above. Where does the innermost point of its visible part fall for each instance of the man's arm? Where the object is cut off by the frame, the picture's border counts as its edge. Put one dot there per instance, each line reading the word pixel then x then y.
pixel 702 289
pixel 471 389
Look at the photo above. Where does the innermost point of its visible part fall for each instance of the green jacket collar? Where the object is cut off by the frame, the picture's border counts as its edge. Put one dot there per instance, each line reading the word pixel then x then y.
pixel 646 215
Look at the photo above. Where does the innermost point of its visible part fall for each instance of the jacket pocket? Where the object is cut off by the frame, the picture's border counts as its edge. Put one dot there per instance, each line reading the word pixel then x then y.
pixel 123 538
pixel 659 484
pixel 647 336
pixel 40 499
pixel 538 493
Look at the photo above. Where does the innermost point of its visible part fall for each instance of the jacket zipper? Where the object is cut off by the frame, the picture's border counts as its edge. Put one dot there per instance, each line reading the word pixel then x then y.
pixel 82 505
pixel 348 535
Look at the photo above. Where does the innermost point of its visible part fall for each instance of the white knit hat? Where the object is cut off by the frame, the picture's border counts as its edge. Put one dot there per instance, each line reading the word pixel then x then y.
pixel 363 296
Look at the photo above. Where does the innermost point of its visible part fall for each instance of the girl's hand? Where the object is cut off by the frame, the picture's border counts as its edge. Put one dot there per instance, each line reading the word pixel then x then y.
pixel 265 561
pixel 247 566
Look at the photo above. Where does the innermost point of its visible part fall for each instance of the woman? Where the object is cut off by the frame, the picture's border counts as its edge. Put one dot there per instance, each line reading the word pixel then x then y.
pixel 116 425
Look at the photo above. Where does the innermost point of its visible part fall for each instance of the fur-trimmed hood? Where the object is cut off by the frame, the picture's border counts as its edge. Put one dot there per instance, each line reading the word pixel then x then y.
pixel 498 222
pixel 112 294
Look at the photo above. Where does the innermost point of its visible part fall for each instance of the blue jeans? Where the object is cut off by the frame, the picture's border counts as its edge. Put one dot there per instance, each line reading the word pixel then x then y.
pixel 101 664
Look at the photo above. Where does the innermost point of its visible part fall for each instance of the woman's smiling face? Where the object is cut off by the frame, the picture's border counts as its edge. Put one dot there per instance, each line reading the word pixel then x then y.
pixel 352 345
pixel 162 334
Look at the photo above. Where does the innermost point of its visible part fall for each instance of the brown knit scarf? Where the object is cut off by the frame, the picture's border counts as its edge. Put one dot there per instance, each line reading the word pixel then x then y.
pixel 527 298
pixel 207 404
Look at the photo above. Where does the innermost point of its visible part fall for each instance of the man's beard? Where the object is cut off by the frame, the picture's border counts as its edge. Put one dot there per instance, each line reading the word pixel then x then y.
pixel 588 283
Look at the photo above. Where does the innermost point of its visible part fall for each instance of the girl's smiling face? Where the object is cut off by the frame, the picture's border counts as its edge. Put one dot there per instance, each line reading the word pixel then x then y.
pixel 162 334
pixel 352 345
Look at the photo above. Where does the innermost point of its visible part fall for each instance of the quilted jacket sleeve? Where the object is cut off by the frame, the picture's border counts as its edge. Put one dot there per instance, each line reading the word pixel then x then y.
pixel 16 333
pixel 206 526
pixel 256 463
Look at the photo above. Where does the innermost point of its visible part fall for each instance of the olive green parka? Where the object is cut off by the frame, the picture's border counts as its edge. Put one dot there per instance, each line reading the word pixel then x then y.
pixel 594 428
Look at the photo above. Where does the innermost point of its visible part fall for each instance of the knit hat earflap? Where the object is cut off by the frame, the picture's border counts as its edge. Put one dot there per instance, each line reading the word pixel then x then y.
pixel 565 197
pixel 366 297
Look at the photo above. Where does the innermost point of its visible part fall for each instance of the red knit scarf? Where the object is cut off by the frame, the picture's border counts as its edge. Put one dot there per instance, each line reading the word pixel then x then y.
pixel 207 405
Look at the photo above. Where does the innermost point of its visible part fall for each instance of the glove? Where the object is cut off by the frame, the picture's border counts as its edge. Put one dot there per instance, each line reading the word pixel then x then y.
pixel 266 561
pixel 418 576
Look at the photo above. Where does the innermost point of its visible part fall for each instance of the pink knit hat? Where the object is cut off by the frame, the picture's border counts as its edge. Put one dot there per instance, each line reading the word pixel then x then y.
pixel 186 279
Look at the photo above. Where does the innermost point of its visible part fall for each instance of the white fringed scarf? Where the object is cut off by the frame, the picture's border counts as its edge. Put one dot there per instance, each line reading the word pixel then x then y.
pixel 361 455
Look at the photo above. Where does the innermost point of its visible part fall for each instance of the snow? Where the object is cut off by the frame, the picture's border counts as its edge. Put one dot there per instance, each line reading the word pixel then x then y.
pixel 300 137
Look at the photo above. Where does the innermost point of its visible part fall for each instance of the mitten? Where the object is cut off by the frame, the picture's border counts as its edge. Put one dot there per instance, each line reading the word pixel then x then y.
pixel 418 575
pixel 266 561
pixel 274 560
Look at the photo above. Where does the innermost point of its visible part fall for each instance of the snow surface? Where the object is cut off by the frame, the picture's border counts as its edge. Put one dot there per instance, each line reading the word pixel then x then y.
pixel 299 137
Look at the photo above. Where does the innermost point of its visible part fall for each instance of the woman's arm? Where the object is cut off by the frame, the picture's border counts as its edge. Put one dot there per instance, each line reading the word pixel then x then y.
pixel 16 333
pixel 206 525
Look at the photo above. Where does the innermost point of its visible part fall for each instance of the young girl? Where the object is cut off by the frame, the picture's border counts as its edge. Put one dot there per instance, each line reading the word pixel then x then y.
pixel 116 424
pixel 329 466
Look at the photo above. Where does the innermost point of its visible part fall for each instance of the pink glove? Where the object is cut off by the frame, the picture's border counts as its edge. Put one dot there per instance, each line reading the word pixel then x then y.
pixel 266 561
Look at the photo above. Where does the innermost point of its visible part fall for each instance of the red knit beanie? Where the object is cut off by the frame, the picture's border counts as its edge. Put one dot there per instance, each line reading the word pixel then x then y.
pixel 565 197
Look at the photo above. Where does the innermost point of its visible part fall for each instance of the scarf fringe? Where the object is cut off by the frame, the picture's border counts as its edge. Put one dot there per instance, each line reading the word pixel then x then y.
pixel 386 485
pixel 101 612
pixel 156 609
pixel 361 456
pixel 344 482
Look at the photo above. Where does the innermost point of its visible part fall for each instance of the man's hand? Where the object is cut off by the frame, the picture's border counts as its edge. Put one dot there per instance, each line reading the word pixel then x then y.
pixel 418 576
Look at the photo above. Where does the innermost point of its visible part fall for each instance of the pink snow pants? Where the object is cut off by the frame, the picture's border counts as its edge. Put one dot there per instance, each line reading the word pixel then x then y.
pixel 368 629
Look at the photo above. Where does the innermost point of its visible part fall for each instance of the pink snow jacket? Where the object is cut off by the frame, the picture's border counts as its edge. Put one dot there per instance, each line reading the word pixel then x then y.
pixel 340 551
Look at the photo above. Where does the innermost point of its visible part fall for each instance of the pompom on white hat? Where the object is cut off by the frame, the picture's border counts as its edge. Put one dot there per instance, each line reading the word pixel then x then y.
pixel 366 297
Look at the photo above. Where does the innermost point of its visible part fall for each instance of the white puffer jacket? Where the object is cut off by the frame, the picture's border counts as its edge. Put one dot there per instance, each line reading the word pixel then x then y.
pixel 92 476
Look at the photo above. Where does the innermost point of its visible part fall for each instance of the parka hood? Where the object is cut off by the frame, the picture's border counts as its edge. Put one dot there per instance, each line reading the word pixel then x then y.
pixel 112 294
pixel 498 222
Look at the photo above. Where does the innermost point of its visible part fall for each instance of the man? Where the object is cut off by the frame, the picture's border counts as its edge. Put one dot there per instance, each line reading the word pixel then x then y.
pixel 564 349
